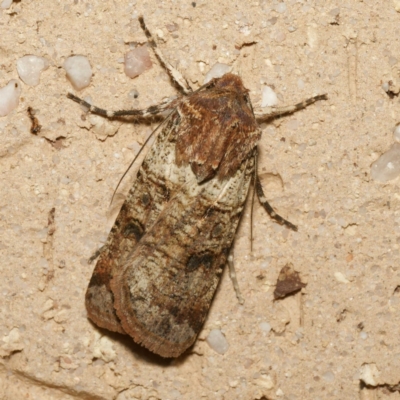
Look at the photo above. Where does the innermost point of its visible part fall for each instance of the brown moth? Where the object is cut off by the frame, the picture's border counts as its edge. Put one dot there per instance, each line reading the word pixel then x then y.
pixel 157 274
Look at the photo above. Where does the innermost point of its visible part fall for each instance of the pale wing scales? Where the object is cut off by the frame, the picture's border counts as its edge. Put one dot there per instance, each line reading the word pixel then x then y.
pixel 145 201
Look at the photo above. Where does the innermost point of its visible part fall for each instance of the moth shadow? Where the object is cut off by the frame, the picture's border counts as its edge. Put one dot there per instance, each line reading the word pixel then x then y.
pixel 140 352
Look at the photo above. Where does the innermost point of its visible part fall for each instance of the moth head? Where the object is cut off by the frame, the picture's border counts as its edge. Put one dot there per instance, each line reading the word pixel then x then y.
pixel 231 82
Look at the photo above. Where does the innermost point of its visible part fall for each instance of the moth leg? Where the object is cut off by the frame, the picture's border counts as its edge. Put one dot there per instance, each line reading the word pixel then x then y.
pixel 152 111
pixel 268 208
pixel 175 75
pixel 232 274
pixel 272 112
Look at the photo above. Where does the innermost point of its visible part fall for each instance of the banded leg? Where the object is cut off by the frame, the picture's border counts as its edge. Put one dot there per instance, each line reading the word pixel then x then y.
pixel 175 75
pixel 268 208
pixel 272 112
pixel 232 274
pixel 152 111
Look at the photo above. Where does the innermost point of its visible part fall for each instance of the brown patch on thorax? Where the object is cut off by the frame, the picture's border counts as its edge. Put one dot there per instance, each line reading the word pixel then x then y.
pixel 218 129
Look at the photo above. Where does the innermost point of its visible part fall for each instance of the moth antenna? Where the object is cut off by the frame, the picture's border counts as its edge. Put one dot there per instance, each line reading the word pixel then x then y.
pixel 237 64
pixel 137 155
pixel 175 75
pixel 252 199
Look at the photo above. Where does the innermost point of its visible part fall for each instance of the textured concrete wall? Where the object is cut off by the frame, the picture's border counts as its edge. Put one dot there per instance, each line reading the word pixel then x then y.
pixel 340 332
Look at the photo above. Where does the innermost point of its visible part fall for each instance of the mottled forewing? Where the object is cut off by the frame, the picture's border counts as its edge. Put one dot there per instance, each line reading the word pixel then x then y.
pixel 165 287
pixel 145 201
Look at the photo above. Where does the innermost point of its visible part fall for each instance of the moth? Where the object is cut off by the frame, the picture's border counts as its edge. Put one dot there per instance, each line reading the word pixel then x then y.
pixel 157 274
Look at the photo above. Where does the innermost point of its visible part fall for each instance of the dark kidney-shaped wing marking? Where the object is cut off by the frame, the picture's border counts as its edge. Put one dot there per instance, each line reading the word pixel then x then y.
pixel 163 292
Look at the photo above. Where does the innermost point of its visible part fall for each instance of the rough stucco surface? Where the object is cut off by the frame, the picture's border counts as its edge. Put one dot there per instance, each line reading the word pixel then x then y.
pixel 340 331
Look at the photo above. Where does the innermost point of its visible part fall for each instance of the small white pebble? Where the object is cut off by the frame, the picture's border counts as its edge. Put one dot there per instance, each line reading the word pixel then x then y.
pixel 369 374
pixel 363 335
pixel 9 97
pixel 217 341
pixel 216 71
pixel 264 381
pixel 341 278
pixel 280 8
pixel 269 97
pixel 328 376
pixel 387 166
pixel 233 383
pixel 391 87
pixel 137 61
pixel 265 327
pixel 104 349
pixel 6 4
pixel 160 33
pixel 385 86
pixel 79 71
pixel 30 67
pixel 12 337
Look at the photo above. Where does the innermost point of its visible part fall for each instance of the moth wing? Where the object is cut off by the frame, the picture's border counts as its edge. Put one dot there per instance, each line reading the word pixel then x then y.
pixel 145 201
pixel 164 289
